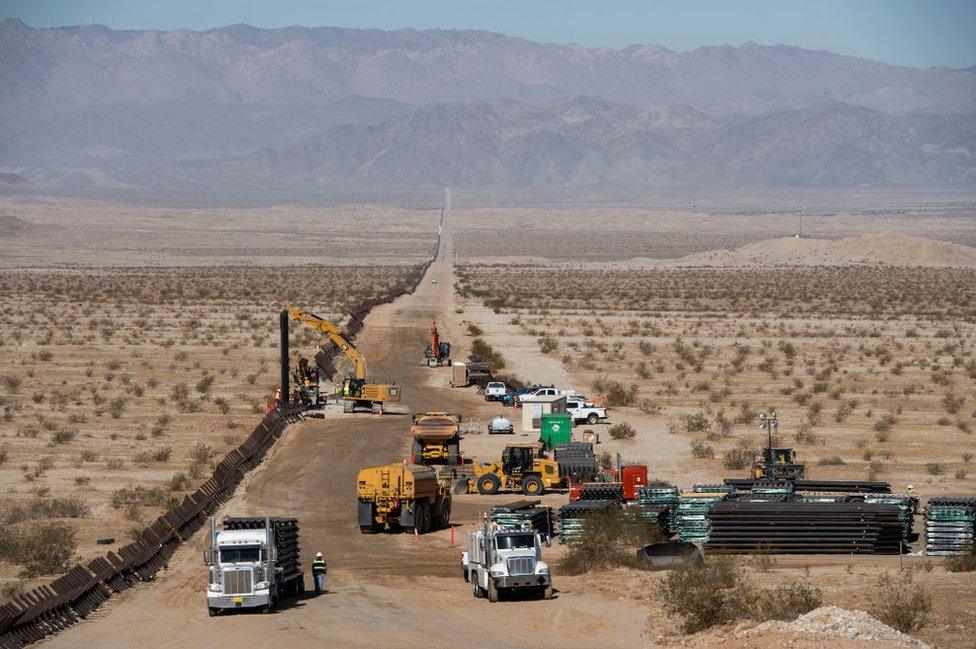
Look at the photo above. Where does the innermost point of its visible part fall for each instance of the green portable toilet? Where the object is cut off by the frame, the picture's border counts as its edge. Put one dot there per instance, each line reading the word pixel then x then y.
pixel 557 429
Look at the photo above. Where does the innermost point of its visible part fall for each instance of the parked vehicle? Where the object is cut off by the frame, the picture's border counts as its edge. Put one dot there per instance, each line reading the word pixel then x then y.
pixel 253 563
pixel 495 391
pixel 436 438
pixel 585 412
pixel 498 562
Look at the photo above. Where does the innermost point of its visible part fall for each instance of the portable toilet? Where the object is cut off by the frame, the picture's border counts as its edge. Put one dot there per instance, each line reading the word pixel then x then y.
pixel 557 429
pixel 534 407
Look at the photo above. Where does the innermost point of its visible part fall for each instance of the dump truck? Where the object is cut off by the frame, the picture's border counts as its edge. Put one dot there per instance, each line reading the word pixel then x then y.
pixel 254 563
pixel 355 390
pixel 436 438
pixel 521 468
pixel 402 496
pixel 438 351
pixel 503 561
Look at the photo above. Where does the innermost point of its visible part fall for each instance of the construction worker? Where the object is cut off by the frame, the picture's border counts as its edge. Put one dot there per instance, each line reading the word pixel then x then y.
pixel 338 393
pixel 318 573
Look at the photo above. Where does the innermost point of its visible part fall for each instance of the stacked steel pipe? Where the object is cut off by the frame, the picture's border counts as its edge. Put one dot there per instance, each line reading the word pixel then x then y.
pixel 949 525
pixel 523 515
pixel 805 528
pixel 572 517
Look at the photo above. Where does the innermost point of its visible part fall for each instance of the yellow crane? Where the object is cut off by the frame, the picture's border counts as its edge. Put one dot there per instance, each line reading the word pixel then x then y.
pixel 355 389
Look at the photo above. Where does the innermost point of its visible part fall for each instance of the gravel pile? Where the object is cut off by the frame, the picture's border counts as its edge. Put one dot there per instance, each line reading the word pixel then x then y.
pixel 841 623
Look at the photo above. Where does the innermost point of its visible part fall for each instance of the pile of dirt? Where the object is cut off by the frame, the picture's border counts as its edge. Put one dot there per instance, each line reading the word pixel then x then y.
pixel 887 249
pixel 836 622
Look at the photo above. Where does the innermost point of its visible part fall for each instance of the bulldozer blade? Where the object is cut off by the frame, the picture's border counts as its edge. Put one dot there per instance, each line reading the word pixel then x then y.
pixel 670 554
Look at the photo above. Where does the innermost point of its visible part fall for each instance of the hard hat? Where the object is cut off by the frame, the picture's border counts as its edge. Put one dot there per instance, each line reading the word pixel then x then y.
pixel 318 555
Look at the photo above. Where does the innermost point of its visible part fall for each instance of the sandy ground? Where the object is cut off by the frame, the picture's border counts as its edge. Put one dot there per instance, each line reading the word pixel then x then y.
pixel 405 591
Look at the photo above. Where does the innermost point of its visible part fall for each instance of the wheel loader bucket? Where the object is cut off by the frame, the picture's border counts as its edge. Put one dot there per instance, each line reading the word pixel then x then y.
pixel 670 554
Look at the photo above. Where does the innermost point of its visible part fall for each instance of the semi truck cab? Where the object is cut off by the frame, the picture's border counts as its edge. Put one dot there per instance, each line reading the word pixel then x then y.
pixel 503 561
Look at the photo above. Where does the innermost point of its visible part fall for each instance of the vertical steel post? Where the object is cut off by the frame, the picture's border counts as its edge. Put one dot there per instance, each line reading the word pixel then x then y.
pixel 283 346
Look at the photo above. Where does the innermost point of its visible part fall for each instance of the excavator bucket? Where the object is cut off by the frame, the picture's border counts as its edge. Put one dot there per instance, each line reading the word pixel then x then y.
pixel 670 554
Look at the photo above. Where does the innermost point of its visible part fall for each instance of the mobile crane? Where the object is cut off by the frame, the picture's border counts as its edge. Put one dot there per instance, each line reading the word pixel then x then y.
pixel 356 391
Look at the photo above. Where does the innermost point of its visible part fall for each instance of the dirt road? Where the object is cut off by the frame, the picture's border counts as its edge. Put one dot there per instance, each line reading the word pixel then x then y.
pixel 383 590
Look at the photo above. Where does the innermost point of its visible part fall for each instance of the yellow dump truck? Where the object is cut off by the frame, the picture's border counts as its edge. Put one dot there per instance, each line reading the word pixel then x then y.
pixel 436 438
pixel 402 496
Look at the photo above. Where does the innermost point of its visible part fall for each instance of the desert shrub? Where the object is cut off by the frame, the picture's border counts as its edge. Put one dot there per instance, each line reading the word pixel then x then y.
pixel 962 562
pixel 623 430
pixel 833 460
pixel 900 604
pixel 116 407
pixel 3 455
pixel 203 385
pixel 12 383
pixel 178 482
pixel 482 352
pixel 548 344
pixel 40 508
pixel 701 450
pixel 222 404
pixel 696 423
pixel 701 595
pixel 615 393
pixel 785 602
pixel 952 403
pixel 475 330
pixel 162 454
pixel 139 495
pixel 609 539
pixel 935 468
pixel 63 436
pixel 737 458
pixel 42 549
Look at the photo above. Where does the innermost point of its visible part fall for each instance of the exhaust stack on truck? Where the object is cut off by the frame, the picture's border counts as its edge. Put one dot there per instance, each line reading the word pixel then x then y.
pixel 254 562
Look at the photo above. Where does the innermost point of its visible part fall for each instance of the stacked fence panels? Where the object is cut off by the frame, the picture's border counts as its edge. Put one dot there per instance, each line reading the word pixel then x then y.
pixel 666 496
pixel 691 519
pixel 838 486
pixel 949 525
pixel 523 515
pixel 573 516
pixel 577 462
pixel 805 528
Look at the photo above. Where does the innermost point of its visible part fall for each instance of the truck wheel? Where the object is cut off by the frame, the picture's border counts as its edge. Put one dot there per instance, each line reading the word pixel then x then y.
pixel 547 592
pixel 417 450
pixel 445 518
pixel 212 612
pixel 592 418
pixel 488 484
pixel 532 486
pixel 475 589
pixel 492 591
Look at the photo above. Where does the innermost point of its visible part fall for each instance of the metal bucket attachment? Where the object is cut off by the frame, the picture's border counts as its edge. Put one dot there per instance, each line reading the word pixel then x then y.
pixel 670 554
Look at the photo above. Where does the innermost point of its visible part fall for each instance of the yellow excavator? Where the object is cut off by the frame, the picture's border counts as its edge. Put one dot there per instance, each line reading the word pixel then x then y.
pixel 356 391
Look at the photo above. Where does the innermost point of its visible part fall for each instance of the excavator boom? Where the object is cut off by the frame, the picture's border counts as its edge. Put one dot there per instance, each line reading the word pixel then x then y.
pixel 334 334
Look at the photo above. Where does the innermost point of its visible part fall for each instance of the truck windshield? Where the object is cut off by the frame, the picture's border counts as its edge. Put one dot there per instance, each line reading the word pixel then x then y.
pixel 244 554
pixel 514 542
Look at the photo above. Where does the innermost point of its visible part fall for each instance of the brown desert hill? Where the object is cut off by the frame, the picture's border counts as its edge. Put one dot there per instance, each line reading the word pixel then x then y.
pixel 885 249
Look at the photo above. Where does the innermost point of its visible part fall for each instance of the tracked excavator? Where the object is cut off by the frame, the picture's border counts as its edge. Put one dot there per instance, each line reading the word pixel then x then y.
pixel 438 351
pixel 356 390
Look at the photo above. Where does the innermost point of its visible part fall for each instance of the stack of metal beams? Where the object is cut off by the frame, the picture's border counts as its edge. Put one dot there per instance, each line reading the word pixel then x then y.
pixel 660 497
pixel 572 517
pixel 805 528
pixel 691 518
pixel 602 491
pixel 523 515
pixel 949 525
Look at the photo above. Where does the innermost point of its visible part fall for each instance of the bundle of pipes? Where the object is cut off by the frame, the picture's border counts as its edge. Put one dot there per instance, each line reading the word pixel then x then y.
pixel 602 491
pixel 845 486
pixel 572 517
pixel 692 516
pixel 523 515
pixel 666 496
pixel 950 525
pixel 805 528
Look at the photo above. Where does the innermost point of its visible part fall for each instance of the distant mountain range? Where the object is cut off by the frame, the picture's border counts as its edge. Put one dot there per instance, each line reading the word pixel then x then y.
pixel 330 107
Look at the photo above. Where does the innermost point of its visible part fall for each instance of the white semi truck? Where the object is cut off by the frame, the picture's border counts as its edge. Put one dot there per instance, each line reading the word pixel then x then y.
pixel 498 561
pixel 254 562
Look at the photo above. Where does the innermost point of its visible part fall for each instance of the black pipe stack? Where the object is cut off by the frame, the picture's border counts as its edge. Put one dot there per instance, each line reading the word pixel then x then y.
pixel 283 346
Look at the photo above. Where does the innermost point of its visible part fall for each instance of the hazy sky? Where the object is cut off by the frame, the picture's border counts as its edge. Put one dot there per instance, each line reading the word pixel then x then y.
pixel 906 32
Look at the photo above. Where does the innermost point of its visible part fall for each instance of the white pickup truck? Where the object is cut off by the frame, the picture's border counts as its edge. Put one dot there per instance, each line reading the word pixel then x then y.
pixel 548 391
pixel 495 390
pixel 584 411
